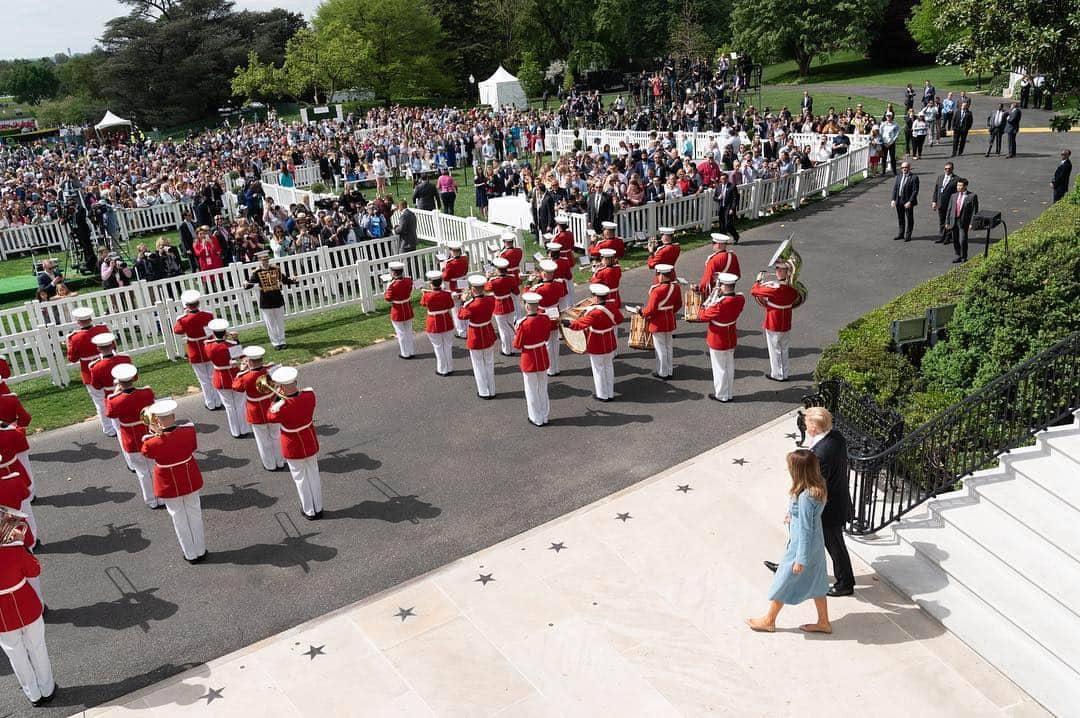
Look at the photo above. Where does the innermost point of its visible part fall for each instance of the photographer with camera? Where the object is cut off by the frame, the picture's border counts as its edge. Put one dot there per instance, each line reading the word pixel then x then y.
pixel 115 272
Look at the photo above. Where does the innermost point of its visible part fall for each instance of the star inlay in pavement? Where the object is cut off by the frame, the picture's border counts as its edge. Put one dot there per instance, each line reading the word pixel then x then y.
pixel 792 435
pixel 684 488
pixel 313 651
pixel 623 517
pixel 484 578
pixel 556 547
pixel 404 613
pixel 213 693
pixel 740 462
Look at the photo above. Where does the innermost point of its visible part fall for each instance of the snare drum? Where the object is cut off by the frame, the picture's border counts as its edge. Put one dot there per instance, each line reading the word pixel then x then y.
pixel 640 336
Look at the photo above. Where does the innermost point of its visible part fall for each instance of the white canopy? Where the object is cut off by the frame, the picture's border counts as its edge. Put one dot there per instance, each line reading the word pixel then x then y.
pixel 501 89
pixel 111 120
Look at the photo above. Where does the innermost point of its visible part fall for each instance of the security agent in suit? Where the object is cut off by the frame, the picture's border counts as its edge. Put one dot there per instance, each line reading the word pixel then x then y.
pixel 1012 126
pixel 1060 183
pixel 603 210
pixel 962 207
pixel 188 232
pixel 962 122
pixel 830 448
pixel 405 229
pixel 995 122
pixel 905 196
pixel 944 189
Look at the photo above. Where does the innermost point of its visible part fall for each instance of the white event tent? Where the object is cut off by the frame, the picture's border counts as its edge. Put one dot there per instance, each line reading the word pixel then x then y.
pixel 110 121
pixel 501 89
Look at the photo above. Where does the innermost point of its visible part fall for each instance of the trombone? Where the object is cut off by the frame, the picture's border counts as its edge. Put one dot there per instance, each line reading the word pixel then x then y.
pixel 266 385
pixel 153 426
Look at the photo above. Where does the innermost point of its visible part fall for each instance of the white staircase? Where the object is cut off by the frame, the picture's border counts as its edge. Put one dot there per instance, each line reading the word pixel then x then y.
pixel 998 563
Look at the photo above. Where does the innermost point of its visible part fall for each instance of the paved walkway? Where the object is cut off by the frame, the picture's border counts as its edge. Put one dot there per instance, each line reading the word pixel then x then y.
pixel 417 472
pixel 630 606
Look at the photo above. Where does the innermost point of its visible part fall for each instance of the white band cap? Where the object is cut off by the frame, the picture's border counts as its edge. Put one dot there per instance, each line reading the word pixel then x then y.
pixel 284 375
pixel 190 296
pixel 254 352
pixel 477 280
pixel 124 372
pixel 104 340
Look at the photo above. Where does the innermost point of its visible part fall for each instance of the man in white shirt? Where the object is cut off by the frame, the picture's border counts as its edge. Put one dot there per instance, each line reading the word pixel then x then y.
pixel 889 131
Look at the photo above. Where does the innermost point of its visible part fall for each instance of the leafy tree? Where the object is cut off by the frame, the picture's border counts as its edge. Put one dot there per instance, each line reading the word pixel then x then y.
pixel 924 28
pixel 465 47
pixel 323 61
pixel 258 80
pixel 530 74
pixel 773 30
pixel 1002 35
pixel 402 56
pixel 32 82
pixel 687 38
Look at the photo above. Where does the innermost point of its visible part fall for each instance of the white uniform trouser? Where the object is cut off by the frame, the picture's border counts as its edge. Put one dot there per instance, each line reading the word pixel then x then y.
pixel 204 373
pixel 25 648
pixel 505 324
pixel 779 344
pixel 443 344
pixel 663 345
pixel 536 396
pixel 27 509
pixel 235 411
pixel 274 320
pixel 723 372
pixel 404 332
pixel 518 309
pixel 553 353
pixel 483 367
pixel 24 457
pixel 268 441
pixel 144 472
pixel 186 515
pixel 305 472
pixel 567 301
pixel 461 326
pixel 98 397
pixel 603 374
pixel 127 457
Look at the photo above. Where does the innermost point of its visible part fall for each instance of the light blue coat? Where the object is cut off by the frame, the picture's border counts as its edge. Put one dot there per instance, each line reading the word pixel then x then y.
pixel 806 545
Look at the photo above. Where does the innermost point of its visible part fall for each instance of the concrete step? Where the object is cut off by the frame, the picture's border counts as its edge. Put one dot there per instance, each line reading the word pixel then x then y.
pixel 1038 671
pixel 1052 471
pixel 1050 569
pixel 1067 443
pixel 1007 591
pixel 1029 503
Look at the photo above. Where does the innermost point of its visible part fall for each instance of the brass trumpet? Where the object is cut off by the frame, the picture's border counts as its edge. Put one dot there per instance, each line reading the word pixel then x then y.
pixel 153 426
pixel 13 526
pixel 266 385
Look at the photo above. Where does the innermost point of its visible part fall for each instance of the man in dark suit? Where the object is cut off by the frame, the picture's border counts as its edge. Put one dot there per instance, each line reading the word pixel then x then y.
pixel 187 239
pixel 944 189
pixel 603 209
pixel 962 122
pixel 807 102
pixel 905 196
pixel 726 196
pixel 1012 126
pixel 425 195
pixel 1060 183
pixel 405 229
pixel 995 123
pixel 830 449
pixel 962 207
pixel 545 211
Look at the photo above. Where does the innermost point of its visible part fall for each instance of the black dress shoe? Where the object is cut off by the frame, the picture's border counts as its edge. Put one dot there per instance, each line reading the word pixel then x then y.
pixel 314 517
pixel 837 591
pixel 197 559
pixel 899 236
pixel 714 397
pixel 405 357
pixel 771 565
pixel 594 396
pixel 957 260
pixel 535 424
pixel 44 700
pixel 907 239
pixel 449 373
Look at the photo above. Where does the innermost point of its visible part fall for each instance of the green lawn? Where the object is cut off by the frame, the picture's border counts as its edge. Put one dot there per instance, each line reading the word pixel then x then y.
pixel 849 68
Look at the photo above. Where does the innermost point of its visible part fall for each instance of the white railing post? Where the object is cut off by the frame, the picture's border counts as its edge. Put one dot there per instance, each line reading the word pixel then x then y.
pixel 435 216
pixel 705 210
pixel 367 285
pixel 47 349
pixel 652 219
pixel 756 192
pixel 164 326
pixel 800 190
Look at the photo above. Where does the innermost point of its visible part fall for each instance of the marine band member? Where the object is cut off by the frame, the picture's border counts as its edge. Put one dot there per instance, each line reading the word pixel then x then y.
pixel 270 278
pixel 608 240
pixel 477 312
pixel 101 372
pixel 299 443
pixel 600 322
pixel 192 326
pixel 453 275
pixel 778 298
pixel 257 408
pixel 665 300
pixel 610 275
pixel 505 289
pixel 666 253
pixel 81 349
pixel 399 294
pixel 222 351
pixel 721 335
pixel 439 324
pixel 124 405
pixel 531 337
pixel 721 261
pixel 551 291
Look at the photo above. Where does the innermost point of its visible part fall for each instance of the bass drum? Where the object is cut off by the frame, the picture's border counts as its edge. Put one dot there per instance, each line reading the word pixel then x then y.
pixel 640 336
pixel 574 338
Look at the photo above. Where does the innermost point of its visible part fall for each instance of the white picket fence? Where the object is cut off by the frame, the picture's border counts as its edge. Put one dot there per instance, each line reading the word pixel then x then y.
pixel 33 238
pixel 756 199
pixel 563 142
pixel 305 175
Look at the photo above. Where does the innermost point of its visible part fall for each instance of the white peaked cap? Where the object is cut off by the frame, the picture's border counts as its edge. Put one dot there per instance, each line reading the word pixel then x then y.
pixel 433 274
pixel 254 352
pixel 124 372
pixel 548 266
pixel 600 290
pixel 81 314
pixel 104 340
pixel 477 280
pixel 284 375
pixel 607 252
pixel 609 225
pixel 453 244
pixel 727 278
pixel 720 238
pixel 562 219
pixel 500 262
pixel 395 265
pixel 218 325
pixel 664 269
pixel 531 298
pixel 554 246
pixel 666 230
pixel 163 407
pixel 509 237
pixel 190 296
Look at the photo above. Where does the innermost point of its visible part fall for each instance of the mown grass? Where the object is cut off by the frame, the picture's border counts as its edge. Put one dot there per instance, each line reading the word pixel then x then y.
pixel 850 68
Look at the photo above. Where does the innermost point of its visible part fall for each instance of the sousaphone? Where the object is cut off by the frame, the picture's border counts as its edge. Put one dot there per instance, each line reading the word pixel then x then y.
pixel 787 253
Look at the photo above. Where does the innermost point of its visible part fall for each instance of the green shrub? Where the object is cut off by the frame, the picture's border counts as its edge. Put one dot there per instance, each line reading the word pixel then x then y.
pixel 1008 308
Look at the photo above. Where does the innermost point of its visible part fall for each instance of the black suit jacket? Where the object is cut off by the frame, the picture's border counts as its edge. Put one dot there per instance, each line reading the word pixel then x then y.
pixel 911 189
pixel 187 235
pixel 1012 121
pixel 943 193
pixel 831 451
pixel 424 196
pixel 967 211
pixel 1061 174
pixel 604 211
pixel 731 197
pixel 963 124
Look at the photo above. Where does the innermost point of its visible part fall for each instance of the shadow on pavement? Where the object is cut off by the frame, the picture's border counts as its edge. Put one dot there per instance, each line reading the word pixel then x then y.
pixel 126 538
pixel 394 510
pixel 241 497
pixel 84 452
pixel 90 496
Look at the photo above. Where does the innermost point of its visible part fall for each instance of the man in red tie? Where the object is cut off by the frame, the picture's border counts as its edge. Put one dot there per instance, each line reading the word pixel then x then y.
pixel 125 405
pixel 721 335
pixel 399 294
pixel 599 322
pixel 81 349
pixel 477 313
pixel 440 325
pixel 299 443
pixel 531 337
pixel 665 299
pixel 962 209
pixel 721 261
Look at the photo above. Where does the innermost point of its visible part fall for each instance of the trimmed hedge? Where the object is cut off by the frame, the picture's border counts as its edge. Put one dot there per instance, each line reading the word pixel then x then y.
pixel 1007 310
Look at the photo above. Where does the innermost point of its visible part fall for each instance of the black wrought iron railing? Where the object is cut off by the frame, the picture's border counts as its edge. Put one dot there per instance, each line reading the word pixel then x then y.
pixel 892 473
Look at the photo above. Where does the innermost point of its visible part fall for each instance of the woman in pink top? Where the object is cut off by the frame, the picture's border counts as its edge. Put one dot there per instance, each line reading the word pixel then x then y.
pixel 447 191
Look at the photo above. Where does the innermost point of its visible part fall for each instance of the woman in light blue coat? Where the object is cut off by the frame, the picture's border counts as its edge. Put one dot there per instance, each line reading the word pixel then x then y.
pixel 801 573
